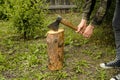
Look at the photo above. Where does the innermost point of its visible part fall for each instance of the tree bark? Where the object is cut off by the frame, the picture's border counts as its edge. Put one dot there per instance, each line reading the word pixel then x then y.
pixel 55 43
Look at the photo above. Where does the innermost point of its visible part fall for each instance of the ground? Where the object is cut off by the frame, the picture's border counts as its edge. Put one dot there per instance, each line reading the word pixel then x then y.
pixel 28 60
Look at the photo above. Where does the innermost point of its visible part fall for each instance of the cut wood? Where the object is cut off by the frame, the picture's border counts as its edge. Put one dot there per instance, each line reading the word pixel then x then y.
pixel 55 49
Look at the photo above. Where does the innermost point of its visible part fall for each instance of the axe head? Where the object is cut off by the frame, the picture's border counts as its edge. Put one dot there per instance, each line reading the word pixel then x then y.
pixel 55 25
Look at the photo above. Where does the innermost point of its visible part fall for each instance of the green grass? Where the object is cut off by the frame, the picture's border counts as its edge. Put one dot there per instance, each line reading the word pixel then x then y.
pixel 28 60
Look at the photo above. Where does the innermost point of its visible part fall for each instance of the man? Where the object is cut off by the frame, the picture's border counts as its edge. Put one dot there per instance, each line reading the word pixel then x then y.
pixel 87 30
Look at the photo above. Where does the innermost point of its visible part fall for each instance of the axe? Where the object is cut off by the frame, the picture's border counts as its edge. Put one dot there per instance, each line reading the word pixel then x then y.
pixel 55 25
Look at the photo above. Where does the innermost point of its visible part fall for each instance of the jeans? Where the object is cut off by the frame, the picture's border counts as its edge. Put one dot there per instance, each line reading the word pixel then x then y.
pixel 116 28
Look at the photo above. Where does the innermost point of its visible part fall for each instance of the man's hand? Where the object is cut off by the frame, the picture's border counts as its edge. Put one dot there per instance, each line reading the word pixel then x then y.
pixel 82 26
pixel 88 31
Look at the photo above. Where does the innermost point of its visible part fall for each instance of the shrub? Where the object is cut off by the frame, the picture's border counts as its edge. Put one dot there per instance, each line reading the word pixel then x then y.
pixel 2 14
pixel 27 16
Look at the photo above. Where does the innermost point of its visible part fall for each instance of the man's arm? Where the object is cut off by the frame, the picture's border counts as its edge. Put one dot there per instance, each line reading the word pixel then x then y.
pixel 98 18
pixel 88 8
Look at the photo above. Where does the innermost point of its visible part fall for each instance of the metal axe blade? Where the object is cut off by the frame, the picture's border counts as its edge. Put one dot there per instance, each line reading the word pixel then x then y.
pixel 55 25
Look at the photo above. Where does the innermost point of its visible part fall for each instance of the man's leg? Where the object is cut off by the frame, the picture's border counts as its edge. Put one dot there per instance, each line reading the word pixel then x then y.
pixel 116 28
pixel 117 77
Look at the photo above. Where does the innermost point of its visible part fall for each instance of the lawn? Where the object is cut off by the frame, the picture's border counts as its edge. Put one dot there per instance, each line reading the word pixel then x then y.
pixel 27 59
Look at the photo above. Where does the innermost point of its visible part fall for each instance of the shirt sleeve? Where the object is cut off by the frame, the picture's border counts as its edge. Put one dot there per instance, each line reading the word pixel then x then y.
pixel 98 18
pixel 88 8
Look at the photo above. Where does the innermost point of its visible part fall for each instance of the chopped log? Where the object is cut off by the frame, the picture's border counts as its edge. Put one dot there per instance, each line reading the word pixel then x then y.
pixel 55 44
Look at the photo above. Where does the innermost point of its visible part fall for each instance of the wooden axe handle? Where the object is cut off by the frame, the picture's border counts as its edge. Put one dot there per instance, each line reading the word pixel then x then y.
pixel 69 24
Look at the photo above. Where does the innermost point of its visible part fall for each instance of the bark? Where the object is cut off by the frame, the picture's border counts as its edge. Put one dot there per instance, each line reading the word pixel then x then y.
pixel 55 43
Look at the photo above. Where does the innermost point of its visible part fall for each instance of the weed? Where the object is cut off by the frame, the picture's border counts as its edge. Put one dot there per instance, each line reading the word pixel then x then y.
pixel 74 78
pixel 2 61
pixel 88 52
pixel 2 78
pixel 101 75
pixel 41 76
pixel 79 66
pixel 61 75
pixel 2 58
pixel 97 55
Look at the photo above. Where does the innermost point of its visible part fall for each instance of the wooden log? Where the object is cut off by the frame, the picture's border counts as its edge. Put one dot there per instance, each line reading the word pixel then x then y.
pixel 55 49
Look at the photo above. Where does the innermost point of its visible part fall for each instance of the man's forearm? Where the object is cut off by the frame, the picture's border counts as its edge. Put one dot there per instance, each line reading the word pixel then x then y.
pixel 99 16
pixel 88 8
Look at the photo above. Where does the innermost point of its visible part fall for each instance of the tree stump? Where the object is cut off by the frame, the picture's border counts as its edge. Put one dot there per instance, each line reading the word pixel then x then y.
pixel 55 44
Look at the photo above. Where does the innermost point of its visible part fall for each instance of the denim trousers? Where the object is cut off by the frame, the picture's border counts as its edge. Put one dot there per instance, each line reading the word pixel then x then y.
pixel 116 28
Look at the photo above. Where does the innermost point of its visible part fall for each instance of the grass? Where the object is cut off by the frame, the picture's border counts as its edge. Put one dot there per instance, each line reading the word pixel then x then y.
pixel 27 60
